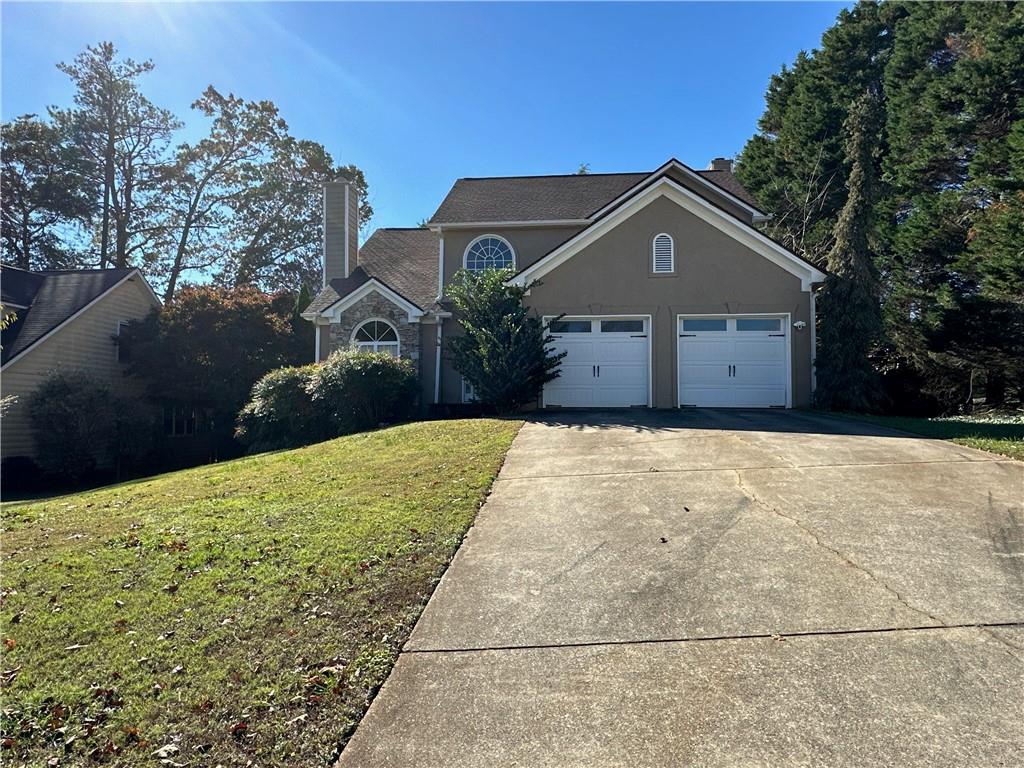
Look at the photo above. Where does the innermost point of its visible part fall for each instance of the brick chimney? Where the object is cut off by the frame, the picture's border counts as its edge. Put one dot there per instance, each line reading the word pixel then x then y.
pixel 720 164
pixel 341 229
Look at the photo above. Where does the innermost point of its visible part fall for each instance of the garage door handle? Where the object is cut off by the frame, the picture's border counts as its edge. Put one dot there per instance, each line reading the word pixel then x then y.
pixel 684 335
pixel 599 371
pixel 777 334
pixel 593 370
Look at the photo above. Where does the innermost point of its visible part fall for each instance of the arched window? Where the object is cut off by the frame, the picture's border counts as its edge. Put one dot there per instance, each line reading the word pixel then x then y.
pixel 664 254
pixel 489 252
pixel 376 336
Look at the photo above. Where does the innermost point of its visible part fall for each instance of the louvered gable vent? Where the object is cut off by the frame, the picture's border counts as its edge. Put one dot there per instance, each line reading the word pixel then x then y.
pixel 664 254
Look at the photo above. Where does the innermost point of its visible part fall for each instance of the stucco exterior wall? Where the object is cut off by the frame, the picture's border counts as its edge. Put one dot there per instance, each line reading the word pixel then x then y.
pixel 529 244
pixel 714 274
pixel 86 343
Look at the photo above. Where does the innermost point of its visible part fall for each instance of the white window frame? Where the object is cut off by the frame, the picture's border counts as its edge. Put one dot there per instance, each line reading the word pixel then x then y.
pixel 117 344
pixel 671 254
pixel 475 240
pixel 468 395
pixel 362 345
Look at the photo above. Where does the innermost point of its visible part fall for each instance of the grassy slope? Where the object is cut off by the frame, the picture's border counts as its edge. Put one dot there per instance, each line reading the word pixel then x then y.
pixel 1003 435
pixel 242 611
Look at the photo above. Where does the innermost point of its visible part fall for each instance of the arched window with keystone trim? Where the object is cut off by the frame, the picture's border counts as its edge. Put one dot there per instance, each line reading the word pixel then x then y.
pixel 376 335
pixel 489 252
pixel 664 254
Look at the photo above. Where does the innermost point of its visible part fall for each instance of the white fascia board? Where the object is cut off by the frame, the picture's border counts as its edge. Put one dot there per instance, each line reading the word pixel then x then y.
pixel 64 323
pixel 665 187
pixel 757 215
pixel 334 311
pixel 513 224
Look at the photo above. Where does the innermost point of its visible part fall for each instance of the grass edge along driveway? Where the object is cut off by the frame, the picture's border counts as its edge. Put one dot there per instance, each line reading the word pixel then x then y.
pixel 1001 434
pixel 232 614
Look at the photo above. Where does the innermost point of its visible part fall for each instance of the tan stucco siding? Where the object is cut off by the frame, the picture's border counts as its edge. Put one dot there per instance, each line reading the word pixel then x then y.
pixel 428 358
pixel 529 244
pixel 86 343
pixel 714 274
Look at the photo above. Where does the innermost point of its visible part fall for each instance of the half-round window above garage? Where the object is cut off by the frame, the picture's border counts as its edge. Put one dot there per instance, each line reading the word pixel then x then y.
pixel 664 256
pixel 489 252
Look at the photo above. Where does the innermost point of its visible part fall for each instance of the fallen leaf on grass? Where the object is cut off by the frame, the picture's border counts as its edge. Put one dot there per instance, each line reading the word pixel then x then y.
pixel 167 750
pixel 75 647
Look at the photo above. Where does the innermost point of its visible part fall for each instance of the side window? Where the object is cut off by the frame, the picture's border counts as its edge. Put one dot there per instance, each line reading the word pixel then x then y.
pixel 663 254
pixel 124 353
pixel 179 421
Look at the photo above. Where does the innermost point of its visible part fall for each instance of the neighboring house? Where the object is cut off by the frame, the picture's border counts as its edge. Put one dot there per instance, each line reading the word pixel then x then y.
pixel 66 320
pixel 669 294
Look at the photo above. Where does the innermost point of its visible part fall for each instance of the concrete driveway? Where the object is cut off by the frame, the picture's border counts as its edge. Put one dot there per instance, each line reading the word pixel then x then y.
pixel 721 588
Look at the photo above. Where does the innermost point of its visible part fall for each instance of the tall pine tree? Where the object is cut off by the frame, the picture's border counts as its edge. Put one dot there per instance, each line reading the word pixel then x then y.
pixel 849 311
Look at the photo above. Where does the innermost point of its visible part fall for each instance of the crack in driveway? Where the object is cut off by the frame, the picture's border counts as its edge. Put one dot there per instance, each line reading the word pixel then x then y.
pixel 816 538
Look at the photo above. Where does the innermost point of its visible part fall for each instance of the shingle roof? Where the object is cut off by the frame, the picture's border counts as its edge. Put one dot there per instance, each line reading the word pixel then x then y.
pixel 532 198
pixel 405 260
pixel 18 286
pixel 550 198
pixel 58 296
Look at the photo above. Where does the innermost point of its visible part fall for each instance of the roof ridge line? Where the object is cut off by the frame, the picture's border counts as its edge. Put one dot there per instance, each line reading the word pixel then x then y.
pixel 554 175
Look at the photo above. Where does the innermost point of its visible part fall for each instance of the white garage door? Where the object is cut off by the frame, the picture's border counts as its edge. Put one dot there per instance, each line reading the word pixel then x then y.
pixel 606 365
pixel 733 362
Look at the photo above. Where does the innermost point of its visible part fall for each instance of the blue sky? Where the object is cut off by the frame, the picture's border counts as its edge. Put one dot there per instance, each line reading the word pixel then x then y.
pixel 418 95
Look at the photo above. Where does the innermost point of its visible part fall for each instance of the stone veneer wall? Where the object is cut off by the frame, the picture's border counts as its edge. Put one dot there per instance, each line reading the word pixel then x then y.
pixel 371 306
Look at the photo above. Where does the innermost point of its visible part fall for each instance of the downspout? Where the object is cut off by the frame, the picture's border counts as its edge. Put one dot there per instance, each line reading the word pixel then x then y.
pixel 814 341
pixel 316 349
pixel 437 365
pixel 440 320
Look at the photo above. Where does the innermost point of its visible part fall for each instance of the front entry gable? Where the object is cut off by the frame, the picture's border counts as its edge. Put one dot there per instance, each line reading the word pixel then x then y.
pixel 667 189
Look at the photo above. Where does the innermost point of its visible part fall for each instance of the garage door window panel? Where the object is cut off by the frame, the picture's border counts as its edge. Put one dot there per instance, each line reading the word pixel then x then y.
pixel 770 324
pixel 705 325
pixel 622 326
pixel 570 326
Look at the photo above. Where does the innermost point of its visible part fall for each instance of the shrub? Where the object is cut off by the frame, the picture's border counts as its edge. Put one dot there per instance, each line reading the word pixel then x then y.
pixel 80 426
pixel 504 353
pixel 280 412
pixel 359 390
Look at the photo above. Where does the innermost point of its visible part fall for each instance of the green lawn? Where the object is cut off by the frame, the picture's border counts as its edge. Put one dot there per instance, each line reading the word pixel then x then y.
pixel 1003 434
pixel 234 614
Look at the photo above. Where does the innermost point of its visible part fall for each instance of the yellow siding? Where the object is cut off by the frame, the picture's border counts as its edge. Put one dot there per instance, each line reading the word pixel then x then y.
pixel 83 344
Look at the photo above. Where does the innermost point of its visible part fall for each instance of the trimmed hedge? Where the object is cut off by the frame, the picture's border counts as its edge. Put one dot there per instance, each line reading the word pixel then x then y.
pixel 280 412
pixel 349 392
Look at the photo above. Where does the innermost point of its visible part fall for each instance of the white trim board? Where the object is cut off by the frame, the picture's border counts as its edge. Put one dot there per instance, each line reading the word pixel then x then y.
pixel 695 204
pixel 333 312
pixel 515 224
pixel 674 164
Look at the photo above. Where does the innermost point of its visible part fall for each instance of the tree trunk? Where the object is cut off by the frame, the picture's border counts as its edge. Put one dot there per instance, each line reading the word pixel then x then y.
pixel 26 243
pixel 121 223
pixel 995 389
pixel 108 185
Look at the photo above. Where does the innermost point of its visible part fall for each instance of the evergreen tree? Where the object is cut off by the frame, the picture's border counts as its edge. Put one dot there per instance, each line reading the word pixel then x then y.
pixel 503 352
pixel 850 317
pixel 949 212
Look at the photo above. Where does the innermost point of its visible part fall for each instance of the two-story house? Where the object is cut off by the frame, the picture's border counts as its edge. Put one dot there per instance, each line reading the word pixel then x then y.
pixel 666 293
